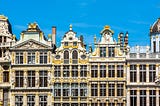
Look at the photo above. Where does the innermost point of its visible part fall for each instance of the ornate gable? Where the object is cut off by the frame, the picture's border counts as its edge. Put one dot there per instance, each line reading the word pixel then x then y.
pixel 31 44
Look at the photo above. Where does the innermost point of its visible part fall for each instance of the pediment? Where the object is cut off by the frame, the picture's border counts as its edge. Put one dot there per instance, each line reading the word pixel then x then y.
pixel 31 44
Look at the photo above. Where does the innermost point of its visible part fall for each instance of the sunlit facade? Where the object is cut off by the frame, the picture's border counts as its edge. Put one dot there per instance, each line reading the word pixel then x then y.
pixel 34 72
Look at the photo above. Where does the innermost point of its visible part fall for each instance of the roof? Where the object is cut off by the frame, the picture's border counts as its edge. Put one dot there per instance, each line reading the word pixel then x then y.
pixel 155 28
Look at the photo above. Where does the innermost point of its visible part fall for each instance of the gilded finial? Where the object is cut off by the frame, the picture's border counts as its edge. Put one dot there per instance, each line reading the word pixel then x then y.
pixel 107 27
pixel 70 27
pixel 95 38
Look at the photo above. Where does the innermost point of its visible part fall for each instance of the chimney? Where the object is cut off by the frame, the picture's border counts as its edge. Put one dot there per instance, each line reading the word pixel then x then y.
pixel 53 35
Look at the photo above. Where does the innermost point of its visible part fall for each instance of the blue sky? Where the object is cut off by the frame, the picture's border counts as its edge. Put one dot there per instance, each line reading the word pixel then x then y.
pixel 88 17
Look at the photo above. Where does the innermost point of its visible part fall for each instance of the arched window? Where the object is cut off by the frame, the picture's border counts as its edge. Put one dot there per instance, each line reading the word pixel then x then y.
pixel 74 57
pixel 66 57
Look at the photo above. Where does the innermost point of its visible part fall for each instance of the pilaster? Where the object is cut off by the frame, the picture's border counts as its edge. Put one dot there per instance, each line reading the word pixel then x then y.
pixel 147 72
pixel 147 94
pixel 138 97
pixel 138 79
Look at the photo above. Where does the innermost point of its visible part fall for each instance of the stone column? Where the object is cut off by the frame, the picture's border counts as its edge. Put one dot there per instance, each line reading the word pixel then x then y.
pixel 37 78
pixel 25 79
pixel 157 97
pixel 12 102
pixel 49 100
pixel 115 84
pixel 147 94
pixel 37 99
pixel 24 99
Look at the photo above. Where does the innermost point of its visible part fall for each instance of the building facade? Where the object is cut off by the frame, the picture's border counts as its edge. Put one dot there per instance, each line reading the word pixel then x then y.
pixel 34 72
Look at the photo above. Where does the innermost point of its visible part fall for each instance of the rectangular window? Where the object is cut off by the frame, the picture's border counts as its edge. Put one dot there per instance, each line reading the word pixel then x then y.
pixel 133 76
pixel 31 78
pixel 57 71
pixel 66 89
pixel 111 104
pixel 57 104
pixel 83 104
pixel 18 100
pixel 119 89
pixel 111 89
pixel 142 67
pixel 102 89
pixel 111 71
pixel 143 98
pixel 66 71
pixel 94 104
pixel 74 89
pixel 43 78
pixel 31 58
pixel 5 76
pixel 94 90
pixel 5 40
pixel 19 58
pixel 83 89
pixel 133 98
pixel 133 67
pixel 65 43
pixel 30 100
pixel 43 57
pixel 102 51
pixel 65 104
pixel 111 52
pixel 57 89
pixel 74 43
pixel 120 70
pixel 74 71
pixel 102 104
pixel 119 104
pixel 42 100
pixel 142 76
pixel 102 71
pixel 152 73
pixel 74 104
pixel 83 70
pixel 94 71
pixel 19 75
pixel 154 46
pixel 152 98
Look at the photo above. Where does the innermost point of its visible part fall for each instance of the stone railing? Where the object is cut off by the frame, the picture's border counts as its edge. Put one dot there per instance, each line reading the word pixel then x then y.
pixel 144 55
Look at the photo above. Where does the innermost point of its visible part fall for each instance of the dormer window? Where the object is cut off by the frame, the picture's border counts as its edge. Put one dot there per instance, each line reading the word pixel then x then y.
pixel 111 52
pixel 65 43
pixel 74 43
pixel 102 51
